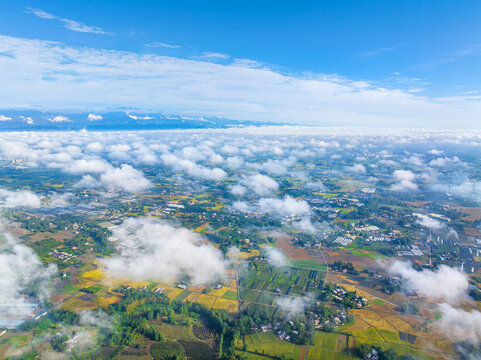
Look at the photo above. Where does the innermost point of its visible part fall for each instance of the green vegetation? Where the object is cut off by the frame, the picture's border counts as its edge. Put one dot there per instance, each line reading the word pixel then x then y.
pixel 310 264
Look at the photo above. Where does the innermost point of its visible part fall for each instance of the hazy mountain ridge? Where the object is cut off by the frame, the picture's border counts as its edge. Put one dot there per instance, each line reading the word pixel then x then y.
pixel 12 120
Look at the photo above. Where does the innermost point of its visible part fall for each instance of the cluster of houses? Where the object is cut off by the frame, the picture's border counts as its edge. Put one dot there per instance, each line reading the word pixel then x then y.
pixel 62 255
pixel 263 327
pixel 319 322
pixel 339 294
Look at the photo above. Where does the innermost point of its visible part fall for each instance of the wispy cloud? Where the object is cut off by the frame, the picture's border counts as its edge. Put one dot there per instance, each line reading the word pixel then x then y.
pixel 68 23
pixel 214 55
pixel 81 27
pixel 41 14
pixel 156 44
pixel 451 57
pixel 377 51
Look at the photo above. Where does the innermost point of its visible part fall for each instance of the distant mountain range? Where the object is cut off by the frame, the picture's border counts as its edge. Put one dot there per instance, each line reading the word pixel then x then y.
pixel 24 120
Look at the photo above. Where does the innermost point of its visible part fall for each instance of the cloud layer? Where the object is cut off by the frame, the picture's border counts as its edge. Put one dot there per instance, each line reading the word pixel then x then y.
pixel 59 76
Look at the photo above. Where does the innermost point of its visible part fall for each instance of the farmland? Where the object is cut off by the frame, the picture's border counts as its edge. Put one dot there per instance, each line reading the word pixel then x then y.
pixel 185 266
pixel 267 344
pixel 262 282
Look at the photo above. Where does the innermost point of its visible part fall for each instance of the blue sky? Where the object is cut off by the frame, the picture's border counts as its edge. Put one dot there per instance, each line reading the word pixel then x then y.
pixel 422 52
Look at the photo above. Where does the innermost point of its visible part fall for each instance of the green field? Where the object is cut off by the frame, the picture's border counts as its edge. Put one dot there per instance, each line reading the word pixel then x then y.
pixel 312 264
pixel 268 344
pixel 398 348
pixel 370 333
pixel 378 302
pixel 166 350
pixel 315 353
pixel 176 331
pixel 231 295
pixel 183 295
pixel 263 282
pixel 372 256
pixel 391 336
pixel 325 340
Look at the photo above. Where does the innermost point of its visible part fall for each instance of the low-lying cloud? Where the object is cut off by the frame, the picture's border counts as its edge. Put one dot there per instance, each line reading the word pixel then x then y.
pixel 157 250
pixel 446 283
pixel 20 198
pixel 22 271
pixel 275 257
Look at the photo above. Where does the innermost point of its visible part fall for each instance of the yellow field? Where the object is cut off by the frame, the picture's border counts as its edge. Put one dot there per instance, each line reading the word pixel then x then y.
pixel 374 319
pixel 201 228
pixel 206 300
pixel 217 207
pixel 106 301
pixel 173 294
pixel 225 304
pixel 95 275
pixel 83 283
pixel 76 305
pixel 192 297
pixel 359 292
pixel 221 291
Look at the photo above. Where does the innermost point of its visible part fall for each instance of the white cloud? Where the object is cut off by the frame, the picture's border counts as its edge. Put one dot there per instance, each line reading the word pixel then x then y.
pixel 40 13
pixel 84 166
pixel 192 168
pixel 59 119
pixel 95 146
pixel 94 117
pixel 261 184
pixel 275 257
pixel 138 117
pixel 241 206
pixel 459 324
pixel 442 162
pixel 22 271
pixel 446 283
pixel 357 168
pixel 96 318
pixel 405 180
pixel 156 44
pixel 306 225
pixel 387 162
pixel 238 190
pixel 234 162
pixel 68 23
pixel 155 250
pixel 404 175
pixel 283 207
pixel 414 160
pixel 20 198
pixel 449 285
pixel 215 55
pixel 27 119
pixel 61 76
pixel 125 178
pixel 429 222
pixel 294 304
pixel 404 185
pixel 467 189
pixel 81 27
pixel 275 167
pixel 88 182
